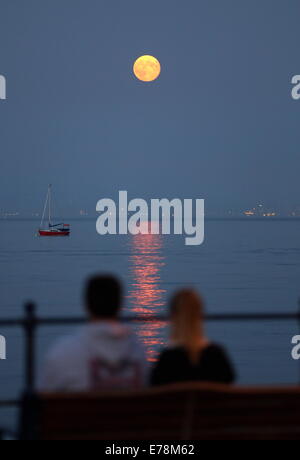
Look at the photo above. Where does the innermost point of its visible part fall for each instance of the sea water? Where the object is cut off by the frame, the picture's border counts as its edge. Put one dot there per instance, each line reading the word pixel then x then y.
pixel 245 266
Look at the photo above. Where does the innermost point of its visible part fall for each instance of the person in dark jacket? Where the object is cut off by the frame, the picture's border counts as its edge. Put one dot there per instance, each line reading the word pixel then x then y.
pixel 191 356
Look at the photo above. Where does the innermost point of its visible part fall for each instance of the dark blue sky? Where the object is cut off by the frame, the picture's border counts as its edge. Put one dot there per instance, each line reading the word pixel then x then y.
pixel 219 124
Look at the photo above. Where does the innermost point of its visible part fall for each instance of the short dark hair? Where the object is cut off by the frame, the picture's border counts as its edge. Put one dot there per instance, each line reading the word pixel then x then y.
pixel 103 296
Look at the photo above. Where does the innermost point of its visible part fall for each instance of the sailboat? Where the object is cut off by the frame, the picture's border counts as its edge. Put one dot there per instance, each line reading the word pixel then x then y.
pixel 52 229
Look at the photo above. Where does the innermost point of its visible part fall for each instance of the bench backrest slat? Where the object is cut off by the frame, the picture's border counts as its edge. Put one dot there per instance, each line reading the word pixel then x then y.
pixel 180 412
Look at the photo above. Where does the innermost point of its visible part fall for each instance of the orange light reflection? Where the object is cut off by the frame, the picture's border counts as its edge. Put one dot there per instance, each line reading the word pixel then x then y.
pixel 146 296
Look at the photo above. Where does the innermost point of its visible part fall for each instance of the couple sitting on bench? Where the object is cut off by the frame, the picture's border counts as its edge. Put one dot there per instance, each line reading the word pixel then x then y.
pixel 106 354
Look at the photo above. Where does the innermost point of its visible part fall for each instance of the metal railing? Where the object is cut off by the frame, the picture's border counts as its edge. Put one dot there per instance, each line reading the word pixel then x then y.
pixel 31 322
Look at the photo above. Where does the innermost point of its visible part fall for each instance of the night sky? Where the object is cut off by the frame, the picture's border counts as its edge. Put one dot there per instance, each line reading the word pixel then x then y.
pixel 218 124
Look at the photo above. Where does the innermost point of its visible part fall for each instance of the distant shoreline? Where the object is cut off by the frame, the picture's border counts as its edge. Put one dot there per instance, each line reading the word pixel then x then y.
pixel 207 219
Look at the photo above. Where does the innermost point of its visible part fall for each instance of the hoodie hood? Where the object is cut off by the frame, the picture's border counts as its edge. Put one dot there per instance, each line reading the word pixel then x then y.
pixel 111 341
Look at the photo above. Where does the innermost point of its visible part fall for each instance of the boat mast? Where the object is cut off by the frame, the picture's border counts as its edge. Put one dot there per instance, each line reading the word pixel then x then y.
pixel 49 197
pixel 45 207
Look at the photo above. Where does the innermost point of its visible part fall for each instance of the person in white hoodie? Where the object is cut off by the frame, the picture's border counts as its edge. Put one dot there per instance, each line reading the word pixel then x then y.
pixel 103 355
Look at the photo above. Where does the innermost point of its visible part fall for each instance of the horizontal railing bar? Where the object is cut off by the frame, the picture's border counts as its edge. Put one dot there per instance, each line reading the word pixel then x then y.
pixel 145 318
pixel 9 403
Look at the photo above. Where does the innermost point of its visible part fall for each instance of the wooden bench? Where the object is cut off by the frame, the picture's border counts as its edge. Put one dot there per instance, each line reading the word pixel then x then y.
pixel 177 412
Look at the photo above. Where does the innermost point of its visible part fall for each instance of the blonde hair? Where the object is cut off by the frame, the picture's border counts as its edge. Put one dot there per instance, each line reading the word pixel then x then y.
pixel 187 311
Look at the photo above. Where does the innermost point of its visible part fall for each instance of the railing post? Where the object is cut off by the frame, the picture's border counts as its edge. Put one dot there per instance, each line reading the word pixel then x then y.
pixel 30 324
pixel 28 416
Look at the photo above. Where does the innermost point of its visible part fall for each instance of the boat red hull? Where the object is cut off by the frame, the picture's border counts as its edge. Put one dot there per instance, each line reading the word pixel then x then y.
pixel 49 233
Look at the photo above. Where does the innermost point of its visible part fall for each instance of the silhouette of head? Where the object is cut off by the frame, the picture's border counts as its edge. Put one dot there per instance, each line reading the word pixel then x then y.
pixel 103 297
pixel 187 313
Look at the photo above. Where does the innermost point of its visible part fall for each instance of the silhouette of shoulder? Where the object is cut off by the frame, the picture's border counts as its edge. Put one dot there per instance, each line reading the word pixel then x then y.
pixel 174 365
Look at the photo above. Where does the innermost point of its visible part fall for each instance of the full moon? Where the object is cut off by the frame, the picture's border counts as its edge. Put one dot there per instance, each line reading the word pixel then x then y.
pixel 147 68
